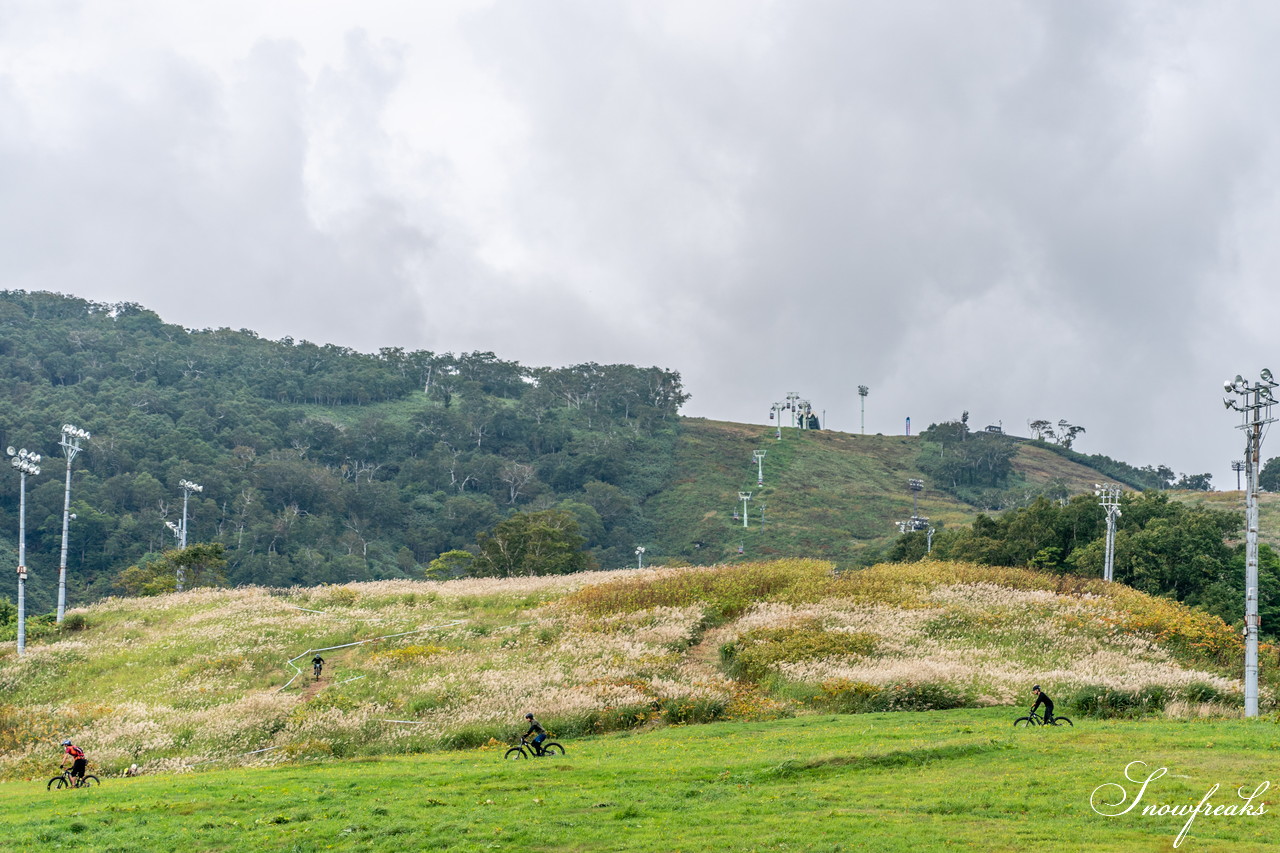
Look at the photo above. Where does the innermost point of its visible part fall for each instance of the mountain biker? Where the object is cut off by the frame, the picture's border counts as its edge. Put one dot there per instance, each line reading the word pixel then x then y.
pixel 1042 698
pixel 536 729
pixel 317 663
pixel 79 762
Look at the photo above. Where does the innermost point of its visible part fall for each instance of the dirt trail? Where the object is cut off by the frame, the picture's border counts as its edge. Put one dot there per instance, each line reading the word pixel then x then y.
pixel 312 689
pixel 705 654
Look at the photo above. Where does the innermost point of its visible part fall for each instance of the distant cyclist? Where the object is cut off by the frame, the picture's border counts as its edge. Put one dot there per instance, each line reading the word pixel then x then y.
pixel 539 733
pixel 78 763
pixel 317 664
pixel 1042 698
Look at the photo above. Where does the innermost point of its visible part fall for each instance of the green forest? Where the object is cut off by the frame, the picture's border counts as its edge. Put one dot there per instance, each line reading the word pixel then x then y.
pixel 319 464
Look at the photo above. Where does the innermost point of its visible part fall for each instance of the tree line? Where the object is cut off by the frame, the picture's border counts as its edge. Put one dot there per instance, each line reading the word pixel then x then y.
pixel 319 463
pixel 1162 547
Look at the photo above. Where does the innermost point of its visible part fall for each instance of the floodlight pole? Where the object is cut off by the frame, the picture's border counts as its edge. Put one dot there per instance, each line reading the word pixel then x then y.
pixel 1109 500
pixel 70 443
pixel 1255 404
pixel 187 488
pixel 744 497
pixel 863 391
pixel 26 463
pixel 759 457
pixel 639 556
pixel 915 486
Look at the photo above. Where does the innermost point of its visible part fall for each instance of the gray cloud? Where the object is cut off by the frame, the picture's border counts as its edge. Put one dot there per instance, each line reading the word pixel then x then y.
pixel 1022 210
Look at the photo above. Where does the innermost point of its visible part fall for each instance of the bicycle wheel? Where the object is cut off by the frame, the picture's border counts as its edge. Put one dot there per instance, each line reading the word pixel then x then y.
pixel 1023 722
pixel 552 748
pixel 1060 721
pixel 56 782
pixel 89 782
pixel 515 752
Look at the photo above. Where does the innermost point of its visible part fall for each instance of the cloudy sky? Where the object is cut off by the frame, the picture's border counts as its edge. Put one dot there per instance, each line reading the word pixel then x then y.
pixel 1020 209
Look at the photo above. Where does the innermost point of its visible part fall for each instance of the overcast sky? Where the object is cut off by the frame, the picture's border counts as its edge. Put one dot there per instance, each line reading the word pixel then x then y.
pixel 1023 210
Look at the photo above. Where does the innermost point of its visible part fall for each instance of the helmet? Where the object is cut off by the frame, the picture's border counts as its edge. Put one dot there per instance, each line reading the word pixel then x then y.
pixel 528 716
pixel 1037 687
pixel 66 743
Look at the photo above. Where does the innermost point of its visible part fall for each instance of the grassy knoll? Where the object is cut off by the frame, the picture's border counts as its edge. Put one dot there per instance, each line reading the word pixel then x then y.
pixel 176 680
pixel 948 780
pixel 824 492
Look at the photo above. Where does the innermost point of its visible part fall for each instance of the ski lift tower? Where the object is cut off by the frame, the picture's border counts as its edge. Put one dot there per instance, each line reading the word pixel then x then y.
pixel 863 391
pixel 758 455
pixel 775 415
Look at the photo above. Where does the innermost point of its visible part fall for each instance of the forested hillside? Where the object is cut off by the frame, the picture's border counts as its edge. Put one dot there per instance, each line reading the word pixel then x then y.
pixel 319 463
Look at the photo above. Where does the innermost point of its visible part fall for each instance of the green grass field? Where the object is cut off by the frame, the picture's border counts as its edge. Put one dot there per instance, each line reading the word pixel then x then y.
pixel 943 780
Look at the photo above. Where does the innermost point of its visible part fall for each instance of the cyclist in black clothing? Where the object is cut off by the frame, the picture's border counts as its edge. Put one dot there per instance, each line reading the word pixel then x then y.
pixel 536 729
pixel 1042 698
pixel 317 663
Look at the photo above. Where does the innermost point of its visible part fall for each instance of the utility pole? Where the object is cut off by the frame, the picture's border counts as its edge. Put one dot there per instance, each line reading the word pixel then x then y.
pixel 1254 404
pixel 758 455
pixel 863 391
pixel 1109 500
pixel 1237 466
pixel 70 444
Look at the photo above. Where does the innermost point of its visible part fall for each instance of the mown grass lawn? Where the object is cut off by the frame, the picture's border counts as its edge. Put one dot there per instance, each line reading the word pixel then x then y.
pixel 954 780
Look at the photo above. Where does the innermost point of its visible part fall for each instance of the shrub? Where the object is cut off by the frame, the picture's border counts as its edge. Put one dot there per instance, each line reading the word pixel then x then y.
pixel 1198 691
pixel 755 653
pixel 75 622
pixel 924 696
pixel 1108 702
pixel 688 710
pixel 847 697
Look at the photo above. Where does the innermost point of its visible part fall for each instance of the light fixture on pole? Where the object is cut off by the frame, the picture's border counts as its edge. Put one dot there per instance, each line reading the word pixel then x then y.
pixel 758 455
pixel 1109 499
pixel 639 556
pixel 863 391
pixel 916 486
pixel 26 463
pixel 1237 466
pixel 917 523
pixel 187 488
pixel 744 497
pixel 70 444
pixel 1254 404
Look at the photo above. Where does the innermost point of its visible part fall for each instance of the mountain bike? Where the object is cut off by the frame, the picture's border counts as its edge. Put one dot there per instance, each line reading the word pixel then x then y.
pixel 528 750
pixel 66 780
pixel 1034 719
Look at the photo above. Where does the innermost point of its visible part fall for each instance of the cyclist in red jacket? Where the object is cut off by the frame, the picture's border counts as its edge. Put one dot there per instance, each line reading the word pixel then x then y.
pixel 78 763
